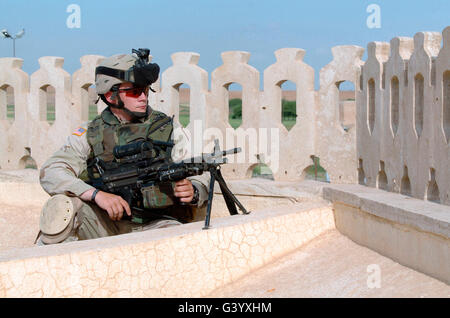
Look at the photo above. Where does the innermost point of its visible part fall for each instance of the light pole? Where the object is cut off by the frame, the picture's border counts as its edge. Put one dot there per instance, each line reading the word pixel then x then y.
pixel 4 33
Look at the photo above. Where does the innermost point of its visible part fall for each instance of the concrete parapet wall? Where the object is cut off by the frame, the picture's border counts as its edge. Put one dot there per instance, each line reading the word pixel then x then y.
pixel 262 136
pixel 403 116
pixel 183 261
pixel 413 232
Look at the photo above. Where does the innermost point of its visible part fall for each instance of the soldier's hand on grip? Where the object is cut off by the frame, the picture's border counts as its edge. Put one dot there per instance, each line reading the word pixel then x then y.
pixel 184 190
pixel 113 204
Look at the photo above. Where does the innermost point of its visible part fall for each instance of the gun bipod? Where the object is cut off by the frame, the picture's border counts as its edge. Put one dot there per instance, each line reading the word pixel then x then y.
pixel 230 199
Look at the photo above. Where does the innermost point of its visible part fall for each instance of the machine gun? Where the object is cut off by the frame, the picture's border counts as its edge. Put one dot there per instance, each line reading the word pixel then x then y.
pixel 143 163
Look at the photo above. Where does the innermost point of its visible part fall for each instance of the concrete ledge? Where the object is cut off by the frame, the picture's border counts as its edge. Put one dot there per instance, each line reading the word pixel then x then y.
pixel 182 261
pixel 295 191
pixel 22 194
pixel 413 232
pixel 21 188
pixel 257 193
pixel 423 215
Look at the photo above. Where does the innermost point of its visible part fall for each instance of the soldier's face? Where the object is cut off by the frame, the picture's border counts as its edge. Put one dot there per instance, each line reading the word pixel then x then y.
pixel 135 100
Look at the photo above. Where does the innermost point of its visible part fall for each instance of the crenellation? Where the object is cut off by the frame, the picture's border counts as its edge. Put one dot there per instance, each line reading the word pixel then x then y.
pixel 394 105
pixel 235 57
pixel 369 110
pixel 402 47
pixel 185 58
pixel 290 54
pixel 442 118
pixel 430 42
pixel 51 62
pixel 11 62
pixel 346 66
pixel 342 53
pixel 428 45
pixel 234 70
pixel 378 51
pixel 418 134
pixel 50 136
pixel 82 79
pixel 290 67
pixel 14 138
pixel 184 71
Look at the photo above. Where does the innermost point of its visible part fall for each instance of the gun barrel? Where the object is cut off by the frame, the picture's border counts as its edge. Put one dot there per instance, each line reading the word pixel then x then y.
pixel 212 157
pixel 231 151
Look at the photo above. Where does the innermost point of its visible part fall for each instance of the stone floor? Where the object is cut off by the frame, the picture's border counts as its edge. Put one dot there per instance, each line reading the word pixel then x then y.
pixel 332 265
pixel 13 218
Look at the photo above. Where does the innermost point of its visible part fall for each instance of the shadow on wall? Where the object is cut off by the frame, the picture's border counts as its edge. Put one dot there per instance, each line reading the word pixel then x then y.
pixel 313 172
pixel 27 162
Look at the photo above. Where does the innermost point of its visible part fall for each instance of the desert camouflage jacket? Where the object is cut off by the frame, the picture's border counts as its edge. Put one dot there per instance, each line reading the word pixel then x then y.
pixel 61 173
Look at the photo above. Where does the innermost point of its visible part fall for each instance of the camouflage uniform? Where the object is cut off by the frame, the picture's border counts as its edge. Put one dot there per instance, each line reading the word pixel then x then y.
pixel 62 177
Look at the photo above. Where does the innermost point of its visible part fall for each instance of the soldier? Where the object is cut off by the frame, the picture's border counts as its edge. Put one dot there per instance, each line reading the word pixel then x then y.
pixel 78 211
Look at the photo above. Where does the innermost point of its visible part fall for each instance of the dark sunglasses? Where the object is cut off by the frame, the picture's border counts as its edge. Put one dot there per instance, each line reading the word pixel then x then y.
pixel 135 91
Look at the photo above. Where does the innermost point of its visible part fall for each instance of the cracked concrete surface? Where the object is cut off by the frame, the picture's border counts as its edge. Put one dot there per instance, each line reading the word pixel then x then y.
pixel 332 265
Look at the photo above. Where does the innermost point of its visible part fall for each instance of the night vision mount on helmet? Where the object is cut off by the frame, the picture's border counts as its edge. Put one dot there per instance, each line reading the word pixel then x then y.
pixel 141 73
pixel 117 69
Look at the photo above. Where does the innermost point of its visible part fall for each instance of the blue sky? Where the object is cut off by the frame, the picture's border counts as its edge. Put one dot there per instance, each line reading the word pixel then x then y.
pixel 209 28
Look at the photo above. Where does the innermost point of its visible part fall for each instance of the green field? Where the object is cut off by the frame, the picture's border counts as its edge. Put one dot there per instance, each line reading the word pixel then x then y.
pixel 50 112
pixel 235 113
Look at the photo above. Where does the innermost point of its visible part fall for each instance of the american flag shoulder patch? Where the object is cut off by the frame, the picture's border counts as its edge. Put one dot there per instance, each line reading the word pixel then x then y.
pixel 79 131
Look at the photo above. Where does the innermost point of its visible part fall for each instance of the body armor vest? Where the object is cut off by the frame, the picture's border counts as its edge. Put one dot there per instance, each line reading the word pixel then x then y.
pixel 105 132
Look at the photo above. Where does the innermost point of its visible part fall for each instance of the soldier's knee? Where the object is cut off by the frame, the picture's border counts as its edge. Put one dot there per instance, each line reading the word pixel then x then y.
pixel 57 218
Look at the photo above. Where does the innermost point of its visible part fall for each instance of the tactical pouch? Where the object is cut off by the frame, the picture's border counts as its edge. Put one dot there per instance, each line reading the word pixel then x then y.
pixel 158 196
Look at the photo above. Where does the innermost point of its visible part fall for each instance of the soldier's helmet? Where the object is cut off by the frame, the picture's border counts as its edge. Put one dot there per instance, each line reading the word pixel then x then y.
pixel 121 68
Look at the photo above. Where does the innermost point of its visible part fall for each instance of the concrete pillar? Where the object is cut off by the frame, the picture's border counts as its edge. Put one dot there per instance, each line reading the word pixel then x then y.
pixel 336 147
pixel 13 139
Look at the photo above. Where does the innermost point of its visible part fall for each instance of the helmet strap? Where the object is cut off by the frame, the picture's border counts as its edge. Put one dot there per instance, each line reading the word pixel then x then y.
pixel 114 96
pixel 137 115
pixel 134 115
pixel 120 105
